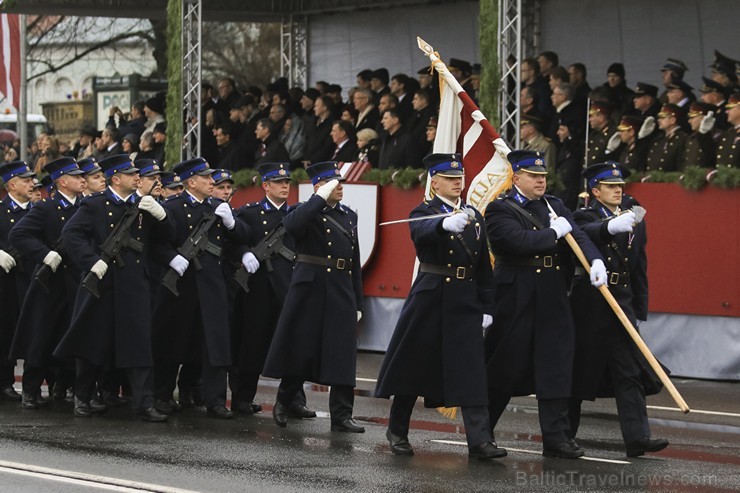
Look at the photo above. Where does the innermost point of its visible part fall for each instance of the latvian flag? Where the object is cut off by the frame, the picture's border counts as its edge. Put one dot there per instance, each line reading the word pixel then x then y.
pixel 10 65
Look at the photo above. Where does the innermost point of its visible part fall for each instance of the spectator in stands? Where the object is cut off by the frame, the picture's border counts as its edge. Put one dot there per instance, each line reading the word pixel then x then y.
pixel 679 93
pixel 84 146
pixel 570 161
pixel 154 111
pixel 700 148
pixel 160 139
pixel 602 129
pixel 645 100
pixel 111 146
pixel 133 123
pixel 723 71
pixel 619 94
pixel 538 87
pixel 388 102
pixel 319 146
pixel 322 86
pixel 672 71
pixel 349 114
pixel 431 135
pixel 343 136
pixel 367 147
pixel 399 87
pixel 363 78
pixel 271 150
pixel 335 91
pixel 228 150
pixel 666 151
pixel 48 152
pixel 398 150
pixel 417 122
pixel 462 70
pixel 146 146
pixel 227 95
pixel 565 110
pixel 367 113
pixel 292 138
pixel 713 92
pixel 130 145
pixel 627 149
pixel 548 60
pixel 577 77
pixel 379 84
pixel 307 102
pixel 533 140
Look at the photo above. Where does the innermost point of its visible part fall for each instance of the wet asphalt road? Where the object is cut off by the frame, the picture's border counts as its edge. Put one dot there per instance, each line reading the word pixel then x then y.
pixel 196 453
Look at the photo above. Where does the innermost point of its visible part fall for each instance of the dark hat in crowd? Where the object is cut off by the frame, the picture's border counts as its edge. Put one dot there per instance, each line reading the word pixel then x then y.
pixel 133 138
pixel 36 183
pixel 529 161
pixel 170 180
pixel 733 101
pixel 432 122
pixel 15 169
pixel 161 127
pixel 603 107
pixel 680 85
pixel 89 130
pixel 670 109
pixel 89 165
pixel 616 68
pixel 608 172
pixel 62 166
pixel 156 104
pixel 120 163
pixel 195 166
pixel 699 108
pixel 274 171
pixel 424 70
pixel 462 65
pixel 326 170
pixel 476 69
pixel 676 66
pixel 644 89
pixel 221 175
pixel 312 93
pixel 148 167
pixel 382 74
pixel 724 64
pixel 444 164
pixel 709 85
pixel 630 122
pixel 529 119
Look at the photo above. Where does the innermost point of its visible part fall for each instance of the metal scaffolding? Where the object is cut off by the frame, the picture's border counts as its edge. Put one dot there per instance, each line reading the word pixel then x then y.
pixel 293 49
pixel 518 28
pixel 192 23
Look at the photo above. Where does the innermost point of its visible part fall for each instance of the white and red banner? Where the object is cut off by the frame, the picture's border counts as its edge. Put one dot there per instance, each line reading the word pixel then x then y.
pixel 10 65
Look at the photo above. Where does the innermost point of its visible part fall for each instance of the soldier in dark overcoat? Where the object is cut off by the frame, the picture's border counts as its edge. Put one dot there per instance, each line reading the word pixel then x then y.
pixel 728 146
pixel 607 362
pixel 193 327
pixel 700 149
pixel 46 314
pixel 530 346
pixel 436 350
pixel 256 313
pixel 115 329
pixel 316 338
pixel 666 151
pixel 15 267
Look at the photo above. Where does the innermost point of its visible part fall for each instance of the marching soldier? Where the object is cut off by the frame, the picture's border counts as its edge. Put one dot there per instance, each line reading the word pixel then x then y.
pixel 602 128
pixel 700 148
pixel 94 176
pixel 604 351
pixel 315 338
pixel 436 349
pixel 666 152
pixel 113 330
pixel 193 327
pixel 171 185
pixel 223 184
pixel 530 348
pixel 15 275
pixel 728 148
pixel 256 313
pixel 47 309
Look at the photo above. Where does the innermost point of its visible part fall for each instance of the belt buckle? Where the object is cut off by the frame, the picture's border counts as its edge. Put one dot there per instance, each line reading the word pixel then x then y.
pixel 547 261
pixel 340 264
pixel 614 278
pixel 460 273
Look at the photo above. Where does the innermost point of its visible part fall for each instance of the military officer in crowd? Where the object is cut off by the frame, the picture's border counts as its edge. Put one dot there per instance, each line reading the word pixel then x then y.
pixel 193 326
pixel 47 308
pixel 728 147
pixel 94 176
pixel 606 357
pixel 530 347
pixel 114 330
pixel 626 144
pixel 666 151
pixel 15 275
pixel 533 139
pixel 714 93
pixel 316 338
pixel 256 313
pixel 602 129
pixel 436 349
pixel 700 148
pixel 223 184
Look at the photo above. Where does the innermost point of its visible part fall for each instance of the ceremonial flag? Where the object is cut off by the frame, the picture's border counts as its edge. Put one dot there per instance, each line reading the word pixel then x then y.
pixel 10 66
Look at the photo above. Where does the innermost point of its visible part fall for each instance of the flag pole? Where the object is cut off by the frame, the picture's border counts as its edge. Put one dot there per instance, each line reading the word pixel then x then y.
pixel 22 104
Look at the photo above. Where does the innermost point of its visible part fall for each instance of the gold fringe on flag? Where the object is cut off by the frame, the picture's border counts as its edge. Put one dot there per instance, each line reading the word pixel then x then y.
pixel 448 412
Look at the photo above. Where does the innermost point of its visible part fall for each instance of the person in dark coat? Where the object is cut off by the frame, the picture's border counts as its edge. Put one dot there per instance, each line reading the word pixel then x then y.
pixel 666 152
pixel 114 330
pixel 319 145
pixel 530 347
pixel 607 362
pixel 315 338
pixel 345 141
pixel 16 267
pixel 45 314
pixel 398 149
pixel 256 313
pixel 700 148
pixel 569 164
pixel 229 153
pixel 626 147
pixel 270 148
pixel 728 150
pixel 194 325
pixel 436 349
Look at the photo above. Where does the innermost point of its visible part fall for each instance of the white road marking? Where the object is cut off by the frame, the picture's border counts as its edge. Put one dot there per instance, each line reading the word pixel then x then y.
pixel 371 380
pixel 536 452
pixel 78 478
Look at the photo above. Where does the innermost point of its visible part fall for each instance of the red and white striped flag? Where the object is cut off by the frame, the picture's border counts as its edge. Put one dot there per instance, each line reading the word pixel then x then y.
pixel 10 66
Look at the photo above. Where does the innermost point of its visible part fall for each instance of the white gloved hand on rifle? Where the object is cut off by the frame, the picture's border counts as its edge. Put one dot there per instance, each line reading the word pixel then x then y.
pixel 250 262
pixel 52 259
pixel 326 189
pixel 99 268
pixel 179 264
pixel 455 223
pixel 150 205
pixel 227 216
pixel 7 261
pixel 561 226
pixel 598 273
pixel 623 223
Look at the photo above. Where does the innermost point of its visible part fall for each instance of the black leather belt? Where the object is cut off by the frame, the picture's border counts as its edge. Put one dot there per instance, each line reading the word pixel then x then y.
pixel 462 272
pixel 614 278
pixel 546 261
pixel 337 263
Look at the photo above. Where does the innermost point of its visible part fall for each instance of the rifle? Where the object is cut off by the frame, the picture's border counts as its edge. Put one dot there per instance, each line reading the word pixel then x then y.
pixel 268 248
pixel 43 274
pixel 117 240
pixel 196 243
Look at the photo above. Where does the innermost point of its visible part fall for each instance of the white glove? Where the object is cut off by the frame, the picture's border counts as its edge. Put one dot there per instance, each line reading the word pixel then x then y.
pixel 99 268
pixel 359 315
pixel 613 143
pixel 52 259
pixel 623 223
pixel 150 205
pixel 648 126
pixel 179 264
pixel 326 189
pixel 227 216
pixel 7 261
pixel 707 123
pixel 487 320
pixel 561 226
pixel 456 222
pixel 250 262
pixel 598 273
